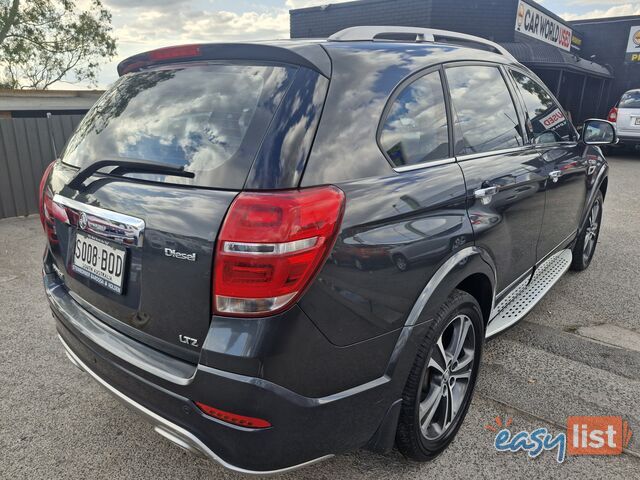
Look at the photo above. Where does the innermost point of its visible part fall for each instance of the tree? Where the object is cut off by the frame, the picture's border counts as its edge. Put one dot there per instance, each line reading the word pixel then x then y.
pixel 44 41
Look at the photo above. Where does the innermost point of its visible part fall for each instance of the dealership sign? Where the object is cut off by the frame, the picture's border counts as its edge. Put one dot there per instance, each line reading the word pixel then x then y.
pixel 532 22
pixel 633 47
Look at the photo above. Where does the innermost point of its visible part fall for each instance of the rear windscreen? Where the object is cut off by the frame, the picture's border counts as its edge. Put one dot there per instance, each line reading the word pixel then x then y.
pixel 630 100
pixel 209 118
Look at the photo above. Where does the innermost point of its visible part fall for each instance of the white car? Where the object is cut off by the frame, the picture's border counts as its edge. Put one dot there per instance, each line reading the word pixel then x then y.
pixel 626 116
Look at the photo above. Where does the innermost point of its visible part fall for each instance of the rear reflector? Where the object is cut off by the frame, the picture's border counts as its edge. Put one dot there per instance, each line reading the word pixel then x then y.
pixel 270 247
pixel 241 420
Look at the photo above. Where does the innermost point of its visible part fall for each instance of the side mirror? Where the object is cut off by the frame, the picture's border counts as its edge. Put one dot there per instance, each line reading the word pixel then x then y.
pixel 598 132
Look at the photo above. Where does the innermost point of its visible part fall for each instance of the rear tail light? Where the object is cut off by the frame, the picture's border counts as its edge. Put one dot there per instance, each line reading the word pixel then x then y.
pixel 43 183
pixel 243 421
pixel 270 247
pixel 49 210
pixel 613 115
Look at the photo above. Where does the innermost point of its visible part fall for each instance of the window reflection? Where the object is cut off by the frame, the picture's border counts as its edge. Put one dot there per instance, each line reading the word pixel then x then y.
pixel 485 115
pixel 416 129
pixel 546 122
pixel 200 117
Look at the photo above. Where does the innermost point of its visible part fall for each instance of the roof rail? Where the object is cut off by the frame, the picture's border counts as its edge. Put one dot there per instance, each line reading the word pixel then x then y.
pixel 370 33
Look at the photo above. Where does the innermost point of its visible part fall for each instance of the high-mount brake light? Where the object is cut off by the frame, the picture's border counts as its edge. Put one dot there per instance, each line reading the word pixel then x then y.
pixel 270 247
pixel 180 52
pixel 171 53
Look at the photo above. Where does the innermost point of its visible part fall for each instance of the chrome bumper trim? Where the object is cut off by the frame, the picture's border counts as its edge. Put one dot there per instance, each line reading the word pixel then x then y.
pixel 171 431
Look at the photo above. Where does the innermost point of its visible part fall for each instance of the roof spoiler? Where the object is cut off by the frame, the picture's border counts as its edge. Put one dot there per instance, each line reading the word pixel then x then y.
pixel 295 55
pixel 371 33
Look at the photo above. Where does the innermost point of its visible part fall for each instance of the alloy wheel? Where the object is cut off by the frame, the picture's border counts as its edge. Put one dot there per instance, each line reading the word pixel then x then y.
pixel 591 234
pixel 446 377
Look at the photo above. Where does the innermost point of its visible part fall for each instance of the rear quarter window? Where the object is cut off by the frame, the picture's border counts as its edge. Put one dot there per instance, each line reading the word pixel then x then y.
pixel 415 130
pixel 209 118
pixel 630 100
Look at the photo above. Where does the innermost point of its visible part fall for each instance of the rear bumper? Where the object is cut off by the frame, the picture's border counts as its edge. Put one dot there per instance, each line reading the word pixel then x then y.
pixel 628 140
pixel 304 429
pixel 174 433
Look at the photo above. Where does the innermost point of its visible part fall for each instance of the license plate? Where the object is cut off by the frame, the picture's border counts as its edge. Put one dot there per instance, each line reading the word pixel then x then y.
pixel 99 261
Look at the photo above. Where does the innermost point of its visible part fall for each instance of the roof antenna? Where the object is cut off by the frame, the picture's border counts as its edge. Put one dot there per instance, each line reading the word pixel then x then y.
pixel 53 140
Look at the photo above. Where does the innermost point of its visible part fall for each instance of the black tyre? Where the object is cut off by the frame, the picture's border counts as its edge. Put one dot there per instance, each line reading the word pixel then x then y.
pixel 585 246
pixel 401 262
pixel 441 383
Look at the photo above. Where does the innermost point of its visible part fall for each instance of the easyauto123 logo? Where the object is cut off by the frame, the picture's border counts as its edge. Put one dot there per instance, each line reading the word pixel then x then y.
pixel 584 436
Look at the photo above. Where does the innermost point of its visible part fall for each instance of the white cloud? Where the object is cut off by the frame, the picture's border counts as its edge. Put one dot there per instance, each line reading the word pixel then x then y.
pixel 151 24
pixel 311 3
pixel 617 11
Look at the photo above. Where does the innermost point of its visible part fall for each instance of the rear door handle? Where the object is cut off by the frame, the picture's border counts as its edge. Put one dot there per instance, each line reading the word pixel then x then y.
pixel 555 175
pixel 485 194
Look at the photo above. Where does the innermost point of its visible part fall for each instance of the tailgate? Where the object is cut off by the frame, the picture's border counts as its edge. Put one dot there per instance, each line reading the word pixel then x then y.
pixel 161 291
pixel 628 121
pixel 135 247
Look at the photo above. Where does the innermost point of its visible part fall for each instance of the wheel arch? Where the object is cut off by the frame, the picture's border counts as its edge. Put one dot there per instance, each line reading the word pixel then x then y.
pixel 470 269
pixel 603 186
pixel 480 287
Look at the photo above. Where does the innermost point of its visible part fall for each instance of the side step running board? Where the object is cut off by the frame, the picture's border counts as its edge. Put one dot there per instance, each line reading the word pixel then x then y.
pixel 525 296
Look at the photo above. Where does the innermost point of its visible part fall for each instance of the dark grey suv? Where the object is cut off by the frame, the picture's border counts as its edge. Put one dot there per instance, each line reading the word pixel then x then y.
pixel 282 251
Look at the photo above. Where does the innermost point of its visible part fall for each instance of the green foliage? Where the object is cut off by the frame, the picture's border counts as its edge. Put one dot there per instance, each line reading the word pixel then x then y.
pixel 43 41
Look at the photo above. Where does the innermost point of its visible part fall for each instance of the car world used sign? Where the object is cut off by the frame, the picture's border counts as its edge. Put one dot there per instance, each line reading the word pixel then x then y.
pixel 633 47
pixel 532 22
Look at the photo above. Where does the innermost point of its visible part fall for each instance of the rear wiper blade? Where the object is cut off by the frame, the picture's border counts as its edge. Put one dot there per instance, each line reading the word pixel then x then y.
pixel 127 165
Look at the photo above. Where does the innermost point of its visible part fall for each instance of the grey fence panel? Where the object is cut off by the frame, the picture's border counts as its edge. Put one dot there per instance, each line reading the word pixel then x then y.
pixel 24 162
pixel 25 151
pixel 7 204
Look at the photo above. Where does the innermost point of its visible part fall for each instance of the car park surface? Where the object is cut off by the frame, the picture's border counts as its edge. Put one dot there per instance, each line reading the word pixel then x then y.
pixel 577 353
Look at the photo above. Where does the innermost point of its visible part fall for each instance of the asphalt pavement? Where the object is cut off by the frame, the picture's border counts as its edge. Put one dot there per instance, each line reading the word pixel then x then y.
pixel 576 353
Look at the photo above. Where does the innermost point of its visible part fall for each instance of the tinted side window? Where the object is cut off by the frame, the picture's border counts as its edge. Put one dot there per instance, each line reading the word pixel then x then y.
pixel 630 100
pixel 484 114
pixel 546 120
pixel 415 130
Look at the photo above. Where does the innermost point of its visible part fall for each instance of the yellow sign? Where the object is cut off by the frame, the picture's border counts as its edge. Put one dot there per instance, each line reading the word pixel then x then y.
pixel 633 47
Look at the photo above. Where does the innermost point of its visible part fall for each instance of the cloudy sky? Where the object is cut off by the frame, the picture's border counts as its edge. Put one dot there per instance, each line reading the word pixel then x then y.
pixel 145 24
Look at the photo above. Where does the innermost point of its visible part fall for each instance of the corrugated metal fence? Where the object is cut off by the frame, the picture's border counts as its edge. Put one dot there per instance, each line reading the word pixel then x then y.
pixel 26 148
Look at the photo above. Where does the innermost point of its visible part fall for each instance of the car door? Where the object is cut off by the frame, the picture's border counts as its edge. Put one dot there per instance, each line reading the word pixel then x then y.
pixel 565 164
pixel 504 175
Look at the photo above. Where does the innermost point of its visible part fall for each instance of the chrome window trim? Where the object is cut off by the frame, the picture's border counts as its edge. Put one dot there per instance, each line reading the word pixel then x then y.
pixel 134 226
pixel 428 163
pixel 473 156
